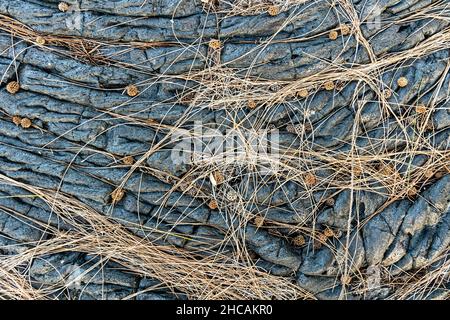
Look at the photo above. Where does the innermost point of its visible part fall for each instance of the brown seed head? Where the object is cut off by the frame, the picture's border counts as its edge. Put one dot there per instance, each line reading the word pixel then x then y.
pixel 303 93
pixel 310 179
pixel 273 10
pixel 213 204
pixel 412 192
pixel 259 221
pixel 40 40
pixel 25 123
pixel 439 174
pixel 333 35
pixel 357 171
pixel 387 93
pixel 218 176
pixel 421 109
pixel 128 160
pixel 132 90
pixel 346 279
pixel 117 195
pixel 429 173
pixel 16 120
pixel 328 232
pixel 330 202
pixel 215 44
pixel 231 195
pixel 329 85
pixel 13 87
pixel 251 104
pixel 322 237
pixel 63 7
pixel 387 170
pixel 345 29
pixel 299 241
pixel 252 254
pixel 402 82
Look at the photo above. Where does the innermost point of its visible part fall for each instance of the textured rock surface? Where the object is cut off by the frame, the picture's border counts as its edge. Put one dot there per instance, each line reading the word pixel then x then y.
pixel 388 210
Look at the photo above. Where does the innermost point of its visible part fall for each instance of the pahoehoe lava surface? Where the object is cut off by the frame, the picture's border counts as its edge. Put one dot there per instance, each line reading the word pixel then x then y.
pixel 96 96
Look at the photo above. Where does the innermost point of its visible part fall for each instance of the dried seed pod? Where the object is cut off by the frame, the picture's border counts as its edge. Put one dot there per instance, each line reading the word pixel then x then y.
pixel 13 87
pixel 329 202
pixel 346 279
pixel 215 44
pixel 402 82
pixel 231 195
pixel 128 160
pixel 252 254
pixel 303 93
pixel 25 123
pixel 213 204
pixel 310 179
pixel 151 122
pixel 412 192
pixel 357 171
pixel 387 170
pixel 117 195
pixel 328 232
pixel 439 174
pixel 299 241
pixel 218 177
pixel 273 10
pixel 251 104
pixel 258 221
pixel 322 237
pixel 387 93
pixel 16 120
pixel 275 87
pixel 40 40
pixel 63 7
pixel 345 29
pixel 329 85
pixel 429 173
pixel 333 35
pixel 421 109
pixel 132 90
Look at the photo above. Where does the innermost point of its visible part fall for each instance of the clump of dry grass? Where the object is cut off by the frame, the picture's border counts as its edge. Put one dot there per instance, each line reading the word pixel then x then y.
pixel 252 7
pixel 217 277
